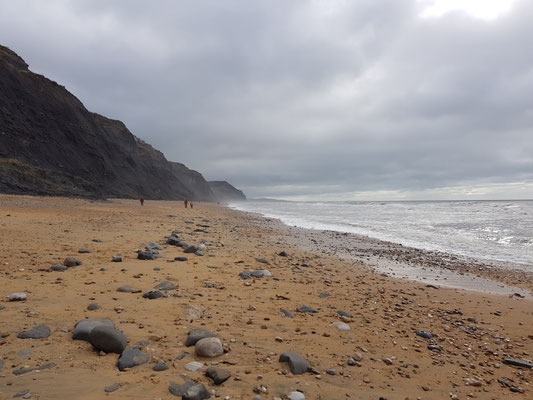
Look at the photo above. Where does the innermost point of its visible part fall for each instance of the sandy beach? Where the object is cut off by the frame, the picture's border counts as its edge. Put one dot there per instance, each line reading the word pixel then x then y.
pixel 381 356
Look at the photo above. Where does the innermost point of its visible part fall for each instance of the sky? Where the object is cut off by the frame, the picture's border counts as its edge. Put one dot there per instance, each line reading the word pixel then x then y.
pixel 323 99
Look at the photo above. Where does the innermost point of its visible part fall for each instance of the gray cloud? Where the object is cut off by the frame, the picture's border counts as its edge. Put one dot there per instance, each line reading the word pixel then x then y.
pixel 302 97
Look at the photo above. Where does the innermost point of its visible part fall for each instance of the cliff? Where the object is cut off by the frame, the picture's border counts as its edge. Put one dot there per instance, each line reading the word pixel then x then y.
pixel 225 192
pixel 50 144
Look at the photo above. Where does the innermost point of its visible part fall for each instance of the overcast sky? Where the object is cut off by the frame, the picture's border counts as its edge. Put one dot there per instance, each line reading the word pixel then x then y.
pixel 362 99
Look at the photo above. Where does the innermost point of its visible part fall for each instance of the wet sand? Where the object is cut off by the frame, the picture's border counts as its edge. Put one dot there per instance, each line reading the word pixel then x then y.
pixel 475 330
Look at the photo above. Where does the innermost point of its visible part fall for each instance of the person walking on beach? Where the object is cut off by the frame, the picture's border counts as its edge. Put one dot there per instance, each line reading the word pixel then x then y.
pixel 185 202
pixel 191 204
pixel 142 200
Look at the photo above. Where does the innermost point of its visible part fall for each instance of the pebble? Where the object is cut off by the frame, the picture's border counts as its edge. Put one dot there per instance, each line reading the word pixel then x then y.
pixel 196 334
pixel 38 332
pixel 209 347
pixel 344 314
pixel 180 390
pixel 167 285
pixel 341 326
pixel 116 259
pixel 108 339
pixel 434 347
pixel 17 297
pixel 196 392
pixel 153 294
pixel 190 249
pixel 218 375
pixel 180 258
pixel 30 369
pixel 296 396
pixel 297 364
pixel 125 289
pixel 148 255
pixel 283 254
pixel 93 306
pixel 351 361
pixel 83 251
pixel 324 295
pixel 131 358
pixel 153 246
pixel 112 388
pixel 424 334
pixel 58 268
pixel 160 366
pixel 307 309
pixel 517 362
pixel 286 313
pixel 358 356
pixel 24 353
pixel 71 262
pixel 193 366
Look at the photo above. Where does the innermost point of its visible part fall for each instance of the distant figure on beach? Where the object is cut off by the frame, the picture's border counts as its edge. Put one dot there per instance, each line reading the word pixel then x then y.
pixel 142 200
pixel 191 204
pixel 185 202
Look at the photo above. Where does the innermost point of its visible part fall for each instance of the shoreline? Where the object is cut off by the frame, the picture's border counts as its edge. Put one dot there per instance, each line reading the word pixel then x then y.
pixel 380 356
pixel 416 264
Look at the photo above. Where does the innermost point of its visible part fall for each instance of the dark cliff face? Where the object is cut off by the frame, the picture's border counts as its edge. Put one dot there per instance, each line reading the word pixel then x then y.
pixel 225 192
pixel 50 144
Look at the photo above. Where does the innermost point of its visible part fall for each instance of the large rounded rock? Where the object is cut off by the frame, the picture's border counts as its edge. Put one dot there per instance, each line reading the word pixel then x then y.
pixel 71 262
pixel 17 297
pixel 131 358
pixel 297 364
pixel 108 339
pixel 209 347
pixel 196 392
pixel 83 328
pixel 196 334
pixel 218 375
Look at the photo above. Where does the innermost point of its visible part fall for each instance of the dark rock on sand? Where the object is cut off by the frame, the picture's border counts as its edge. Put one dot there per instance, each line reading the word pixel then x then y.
pixel 190 249
pixel 1 365
pixel 218 375
pixel 182 355
pixel 209 347
pixel 262 260
pixel 71 262
pixel 196 392
pixel 199 253
pixel 180 390
pixel 174 240
pixel 116 259
pixel 283 254
pixel 153 246
pixel 148 255
pixel 424 334
pixel 196 334
pixel 83 328
pixel 517 362
pixel 29 369
pixel 344 314
pixel 112 388
pixel 153 294
pixel 258 273
pixel 286 313
pixel 160 366
pixel 107 339
pixel 17 297
pixel 93 307
pixel 297 364
pixel 324 295
pixel 434 347
pixel 38 332
pixel 167 285
pixel 58 267
pixel 84 251
pixel 180 258
pixel 307 309
pixel 24 353
pixel 131 358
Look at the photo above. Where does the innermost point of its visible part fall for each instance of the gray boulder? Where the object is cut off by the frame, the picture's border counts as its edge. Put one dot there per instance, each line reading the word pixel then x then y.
pixel 83 328
pixel 196 392
pixel 58 267
pixel 190 249
pixel 17 297
pixel 167 285
pixel 107 339
pixel 209 347
pixel 196 334
pixel 180 390
pixel 218 375
pixel 71 262
pixel 297 364
pixel 148 255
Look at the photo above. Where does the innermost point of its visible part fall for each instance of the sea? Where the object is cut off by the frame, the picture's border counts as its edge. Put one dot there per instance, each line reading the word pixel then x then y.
pixel 486 230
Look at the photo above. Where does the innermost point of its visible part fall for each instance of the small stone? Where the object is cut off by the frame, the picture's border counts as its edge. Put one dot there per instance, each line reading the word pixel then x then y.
pixel 112 388
pixel 160 366
pixel 153 246
pixel 180 390
pixel 286 313
pixel 154 294
pixel 180 259
pixel 434 347
pixel 351 362
pixel 307 309
pixel 218 375
pixel 262 260
pixel 324 295
pixel 424 334
pixel 358 356
pixel 296 396
pixel 196 392
pixel 165 286
pixel 131 358
pixel 341 326
pixel 193 366
pixel 283 254
pixel 190 249
pixel 209 347
pixel 116 259
pixel 93 306
pixel 125 289
pixel 17 297
pixel 38 332
pixel 58 268
pixel 71 262
pixel 331 371
pixel 344 314
pixel 518 363
pixel 148 255
pixel 83 251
